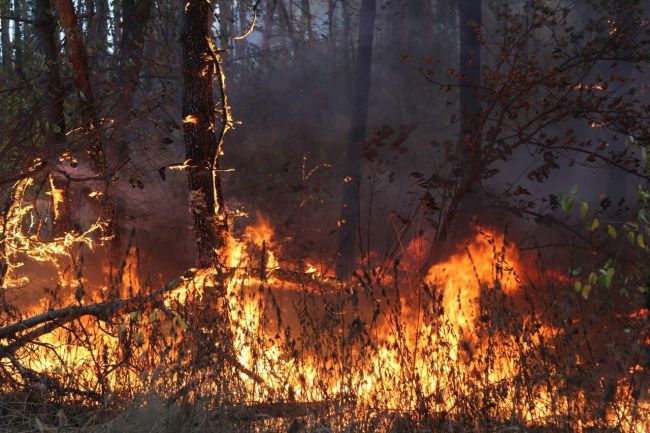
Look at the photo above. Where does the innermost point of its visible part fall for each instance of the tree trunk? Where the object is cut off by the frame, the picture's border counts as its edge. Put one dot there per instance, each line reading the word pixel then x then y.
pixel 132 43
pixel 349 221
pixel 268 25
pixel 306 20
pixel 18 37
pixel 226 20
pixel 131 49
pixel 470 79
pixel 5 40
pixel 45 28
pixel 617 179
pixel 79 59
pixel 202 145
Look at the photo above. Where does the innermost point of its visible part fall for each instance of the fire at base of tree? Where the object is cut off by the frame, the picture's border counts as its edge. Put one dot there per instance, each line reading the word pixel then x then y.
pixel 324 216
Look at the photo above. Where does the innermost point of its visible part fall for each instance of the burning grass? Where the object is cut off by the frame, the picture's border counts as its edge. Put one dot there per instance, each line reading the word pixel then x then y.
pixel 486 342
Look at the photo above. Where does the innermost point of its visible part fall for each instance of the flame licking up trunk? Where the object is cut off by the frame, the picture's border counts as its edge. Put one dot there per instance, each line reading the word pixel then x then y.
pixel 459 345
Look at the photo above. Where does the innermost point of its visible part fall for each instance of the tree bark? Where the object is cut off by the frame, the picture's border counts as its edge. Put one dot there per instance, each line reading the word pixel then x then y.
pixel 349 221
pixel 5 40
pixel 202 144
pixel 45 28
pixel 78 56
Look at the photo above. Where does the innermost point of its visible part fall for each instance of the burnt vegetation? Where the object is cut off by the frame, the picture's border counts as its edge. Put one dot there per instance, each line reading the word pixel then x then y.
pixel 324 216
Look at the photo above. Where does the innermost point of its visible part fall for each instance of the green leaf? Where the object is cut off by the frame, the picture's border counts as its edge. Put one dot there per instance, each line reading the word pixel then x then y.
pixel 584 208
pixel 574 189
pixel 612 231
pixel 154 315
pixel 594 225
pixel 593 278
pixel 566 203
pixel 56 128
pixel 577 286
pixel 586 290
pixel 631 237
pixel 609 276
pixel 640 240
pixel 643 289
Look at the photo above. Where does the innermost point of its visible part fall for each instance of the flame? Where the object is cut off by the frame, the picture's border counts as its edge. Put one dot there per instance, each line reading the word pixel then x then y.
pixel 427 348
pixel 191 118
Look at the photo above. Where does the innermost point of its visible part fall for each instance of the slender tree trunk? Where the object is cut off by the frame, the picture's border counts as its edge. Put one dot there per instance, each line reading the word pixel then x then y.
pixel 78 56
pixel 469 141
pixel 18 36
pixel 269 12
pixel 241 44
pixel 306 20
pixel 470 76
pixel 202 144
pixel 226 20
pixel 132 43
pixel 349 221
pixel 5 40
pixel 617 179
pixel 45 28
pixel 136 18
pixel 347 36
pixel 117 22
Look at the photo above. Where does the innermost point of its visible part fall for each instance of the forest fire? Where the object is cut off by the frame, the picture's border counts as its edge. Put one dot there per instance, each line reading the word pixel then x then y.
pixel 420 351
pixel 416 216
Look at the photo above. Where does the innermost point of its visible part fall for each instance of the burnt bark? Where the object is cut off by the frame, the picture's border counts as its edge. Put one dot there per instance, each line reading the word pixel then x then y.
pixel 349 221
pixel 45 28
pixel 202 143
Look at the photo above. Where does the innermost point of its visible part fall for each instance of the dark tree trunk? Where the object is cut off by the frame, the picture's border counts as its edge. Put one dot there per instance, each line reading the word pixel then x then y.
pixel 5 40
pixel 201 141
pixel 226 20
pixel 617 179
pixel 349 221
pixel 79 59
pixel 18 36
pixel 132 43
pixel 131 49
pixel 470 78
pixel 269 12
pixel 45 28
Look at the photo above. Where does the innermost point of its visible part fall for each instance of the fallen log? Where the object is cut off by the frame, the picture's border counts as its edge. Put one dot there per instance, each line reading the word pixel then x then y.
pixel 46 322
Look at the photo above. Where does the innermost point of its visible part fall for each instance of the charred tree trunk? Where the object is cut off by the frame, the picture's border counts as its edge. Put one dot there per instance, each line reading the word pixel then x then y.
pixel 79 59
pixel 202 143
pixel 45 27
pixel 349 221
